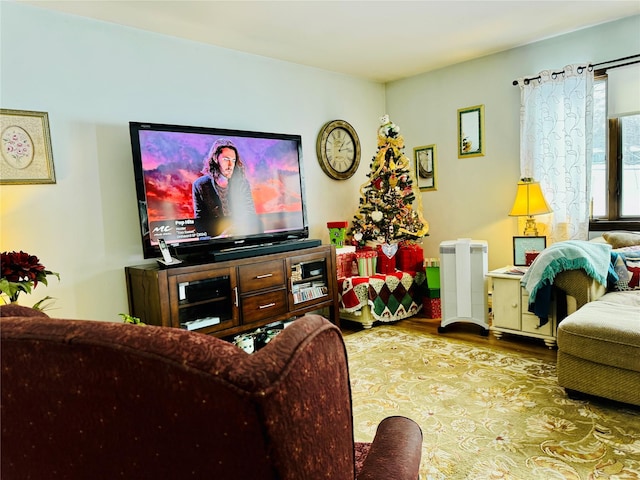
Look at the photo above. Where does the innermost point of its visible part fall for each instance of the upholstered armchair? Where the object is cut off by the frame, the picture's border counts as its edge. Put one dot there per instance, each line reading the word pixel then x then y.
pixel 101 400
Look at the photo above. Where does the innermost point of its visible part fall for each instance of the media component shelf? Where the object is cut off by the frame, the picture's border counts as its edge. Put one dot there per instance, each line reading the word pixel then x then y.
pixel 235 296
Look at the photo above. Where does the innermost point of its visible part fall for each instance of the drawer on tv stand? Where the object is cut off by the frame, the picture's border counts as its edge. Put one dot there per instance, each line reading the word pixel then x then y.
pixel 261 275
pixel 263 305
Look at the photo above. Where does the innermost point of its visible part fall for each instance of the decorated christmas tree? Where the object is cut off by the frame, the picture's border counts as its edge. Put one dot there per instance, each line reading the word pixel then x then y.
pixel 390 209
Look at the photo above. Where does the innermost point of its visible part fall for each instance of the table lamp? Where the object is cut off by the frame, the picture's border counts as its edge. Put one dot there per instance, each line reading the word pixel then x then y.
pixel 529 202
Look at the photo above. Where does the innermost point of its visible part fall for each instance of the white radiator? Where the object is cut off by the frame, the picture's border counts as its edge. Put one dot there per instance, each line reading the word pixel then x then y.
pixel 463 282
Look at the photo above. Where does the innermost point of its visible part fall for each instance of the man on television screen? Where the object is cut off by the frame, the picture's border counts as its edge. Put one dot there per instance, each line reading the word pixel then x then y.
pixel 222 201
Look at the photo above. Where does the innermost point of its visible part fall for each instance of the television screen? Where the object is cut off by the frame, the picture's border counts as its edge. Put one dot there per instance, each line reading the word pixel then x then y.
pixel 204 189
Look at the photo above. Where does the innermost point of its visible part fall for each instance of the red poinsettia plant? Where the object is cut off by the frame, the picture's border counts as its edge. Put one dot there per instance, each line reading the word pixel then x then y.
pixel 21 272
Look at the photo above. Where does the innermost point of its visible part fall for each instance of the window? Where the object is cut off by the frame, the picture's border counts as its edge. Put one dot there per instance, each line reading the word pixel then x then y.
pixel 615 170
pixel 629 146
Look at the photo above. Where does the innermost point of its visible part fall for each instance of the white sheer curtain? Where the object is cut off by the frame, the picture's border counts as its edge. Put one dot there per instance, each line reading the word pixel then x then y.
pixel 556 123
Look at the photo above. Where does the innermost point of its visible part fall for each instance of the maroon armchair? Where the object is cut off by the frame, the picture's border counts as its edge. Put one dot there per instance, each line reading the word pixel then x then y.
pixel 101 400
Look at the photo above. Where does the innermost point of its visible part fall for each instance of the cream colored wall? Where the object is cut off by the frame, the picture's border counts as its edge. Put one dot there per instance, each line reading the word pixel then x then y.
pixel 475 195
pixel 93 78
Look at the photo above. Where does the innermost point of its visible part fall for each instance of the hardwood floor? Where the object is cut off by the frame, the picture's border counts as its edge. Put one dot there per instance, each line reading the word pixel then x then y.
pixel 468 332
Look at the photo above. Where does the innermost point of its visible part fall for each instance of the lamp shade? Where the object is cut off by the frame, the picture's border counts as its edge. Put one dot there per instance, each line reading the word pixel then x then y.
pixel 529 200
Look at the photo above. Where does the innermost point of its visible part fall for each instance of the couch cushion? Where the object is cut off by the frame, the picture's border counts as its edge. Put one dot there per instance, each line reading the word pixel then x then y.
pixel 631 298
pixel 628 272
pixel 603 332
pixel 622 239
pixel 633 269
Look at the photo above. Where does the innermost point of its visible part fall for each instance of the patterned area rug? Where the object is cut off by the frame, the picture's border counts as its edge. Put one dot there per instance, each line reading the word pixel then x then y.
pixel 487 414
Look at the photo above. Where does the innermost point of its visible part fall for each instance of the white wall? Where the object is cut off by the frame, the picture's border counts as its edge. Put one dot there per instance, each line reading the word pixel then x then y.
pixel 475 195
pixel 93 78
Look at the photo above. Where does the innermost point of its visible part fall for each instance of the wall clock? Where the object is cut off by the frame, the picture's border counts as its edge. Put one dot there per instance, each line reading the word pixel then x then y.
pixel 338 149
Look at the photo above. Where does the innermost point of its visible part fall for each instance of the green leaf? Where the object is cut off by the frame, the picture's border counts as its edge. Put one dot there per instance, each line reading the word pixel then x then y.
pixel 44 304
pixel 131 319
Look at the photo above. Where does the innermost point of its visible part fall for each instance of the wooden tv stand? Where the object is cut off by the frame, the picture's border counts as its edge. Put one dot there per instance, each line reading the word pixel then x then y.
pixel 235 296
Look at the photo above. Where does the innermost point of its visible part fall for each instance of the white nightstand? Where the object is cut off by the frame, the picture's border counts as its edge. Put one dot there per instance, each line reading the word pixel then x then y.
pixel 510 303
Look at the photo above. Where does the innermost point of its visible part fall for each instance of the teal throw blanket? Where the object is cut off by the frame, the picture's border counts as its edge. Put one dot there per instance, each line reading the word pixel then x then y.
pixel 594 258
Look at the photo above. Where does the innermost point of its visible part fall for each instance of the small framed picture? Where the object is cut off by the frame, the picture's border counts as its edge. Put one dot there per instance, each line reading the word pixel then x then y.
pixel 471 131
pixel 26 148
pixel 522 245
pixel 425 158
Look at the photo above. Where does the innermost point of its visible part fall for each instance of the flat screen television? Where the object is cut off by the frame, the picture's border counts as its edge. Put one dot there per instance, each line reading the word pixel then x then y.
pixel 206 190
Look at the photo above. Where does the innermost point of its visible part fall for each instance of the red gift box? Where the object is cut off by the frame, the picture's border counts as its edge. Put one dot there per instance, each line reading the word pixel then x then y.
pixel 345 263
pixel 337 224
pixel 432 307
pixel 386 265
pixel 410 258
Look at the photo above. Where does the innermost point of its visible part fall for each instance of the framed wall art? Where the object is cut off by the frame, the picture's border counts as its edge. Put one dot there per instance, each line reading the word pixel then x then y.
pixel 26 155
pixel 471 132
pixel 522 245
pixel 425 158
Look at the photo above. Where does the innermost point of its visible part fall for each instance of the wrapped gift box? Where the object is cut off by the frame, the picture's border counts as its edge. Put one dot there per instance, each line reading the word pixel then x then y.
pixel 433 282
pixel 346 264
pixel 410 258
pixel 433 277
pixel 386 264
pixel 432 307
pixel 432 293
pixel 367 260
pixel 337 233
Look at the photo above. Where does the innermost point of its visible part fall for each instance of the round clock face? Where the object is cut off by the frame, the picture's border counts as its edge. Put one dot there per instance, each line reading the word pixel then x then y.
pixel 338 149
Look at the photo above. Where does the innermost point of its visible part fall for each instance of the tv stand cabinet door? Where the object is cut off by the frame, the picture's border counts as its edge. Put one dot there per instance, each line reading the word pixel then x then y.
pixel 204 295
pixel 313 282
pixel 159 296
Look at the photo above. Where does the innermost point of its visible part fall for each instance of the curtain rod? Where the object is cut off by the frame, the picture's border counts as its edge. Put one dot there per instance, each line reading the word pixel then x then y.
pixel 590 67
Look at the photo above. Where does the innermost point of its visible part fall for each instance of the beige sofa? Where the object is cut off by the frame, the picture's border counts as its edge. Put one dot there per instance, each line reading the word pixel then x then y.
pixel 599 342
pixel 599 348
